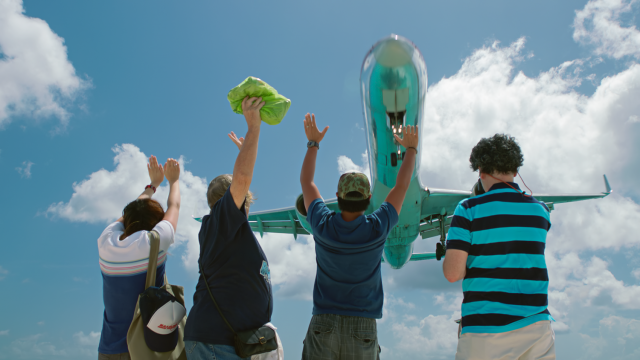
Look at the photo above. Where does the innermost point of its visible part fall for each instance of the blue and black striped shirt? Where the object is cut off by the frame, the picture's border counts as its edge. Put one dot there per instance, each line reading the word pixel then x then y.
pixel 506 283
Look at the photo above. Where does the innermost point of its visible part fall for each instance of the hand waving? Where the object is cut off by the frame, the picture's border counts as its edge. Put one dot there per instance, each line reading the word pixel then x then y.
pixel 409 137
pixel 172 170
pixel 251 110
pixel 238 141
pixel 311 129
pixel 156 172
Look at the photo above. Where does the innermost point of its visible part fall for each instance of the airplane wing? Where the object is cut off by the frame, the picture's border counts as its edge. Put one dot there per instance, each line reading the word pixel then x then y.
pixel 438 206
pixel 282 221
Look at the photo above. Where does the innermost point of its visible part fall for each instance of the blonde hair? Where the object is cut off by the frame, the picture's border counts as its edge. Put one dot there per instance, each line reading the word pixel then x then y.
pixel 219 186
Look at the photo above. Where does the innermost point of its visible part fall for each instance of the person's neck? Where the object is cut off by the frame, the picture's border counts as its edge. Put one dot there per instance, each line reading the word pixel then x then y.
pixel 496 178
pixel 349 216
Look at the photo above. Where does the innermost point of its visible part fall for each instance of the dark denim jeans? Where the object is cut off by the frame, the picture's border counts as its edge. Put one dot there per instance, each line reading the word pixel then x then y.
pixel 201 351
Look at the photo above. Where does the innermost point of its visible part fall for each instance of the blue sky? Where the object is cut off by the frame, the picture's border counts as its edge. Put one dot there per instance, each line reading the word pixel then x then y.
pixel 88 89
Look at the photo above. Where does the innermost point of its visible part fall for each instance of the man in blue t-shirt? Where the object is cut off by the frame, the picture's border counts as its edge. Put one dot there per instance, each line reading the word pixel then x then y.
pixel 496 244
pixel 347 294
pixel 236 268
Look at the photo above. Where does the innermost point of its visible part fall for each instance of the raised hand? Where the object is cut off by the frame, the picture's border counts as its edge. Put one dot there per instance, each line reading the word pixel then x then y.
pixel 409 137
pixel 251 110
pixel 172 170
pixel 311 129
pixel 156 172
pixel 238 141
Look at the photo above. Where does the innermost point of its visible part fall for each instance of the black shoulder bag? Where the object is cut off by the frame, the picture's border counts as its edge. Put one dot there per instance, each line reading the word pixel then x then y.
pixel 249 342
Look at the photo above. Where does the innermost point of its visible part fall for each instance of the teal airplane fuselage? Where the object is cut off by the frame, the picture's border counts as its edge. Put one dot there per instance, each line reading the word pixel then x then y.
pixel 393 83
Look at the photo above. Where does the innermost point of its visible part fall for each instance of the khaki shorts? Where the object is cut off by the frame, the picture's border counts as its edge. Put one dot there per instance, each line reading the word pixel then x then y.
pixel 536 341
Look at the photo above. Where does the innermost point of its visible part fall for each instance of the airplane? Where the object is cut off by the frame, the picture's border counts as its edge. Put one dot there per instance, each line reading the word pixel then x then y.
pixel 393 81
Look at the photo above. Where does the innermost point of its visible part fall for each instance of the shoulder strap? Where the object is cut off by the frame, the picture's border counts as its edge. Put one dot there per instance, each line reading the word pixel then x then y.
pixel 154 241
pixel 214 300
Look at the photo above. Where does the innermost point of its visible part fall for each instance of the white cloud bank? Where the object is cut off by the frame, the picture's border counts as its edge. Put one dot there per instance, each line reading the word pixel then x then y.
pixel 598 23
pixel 36 77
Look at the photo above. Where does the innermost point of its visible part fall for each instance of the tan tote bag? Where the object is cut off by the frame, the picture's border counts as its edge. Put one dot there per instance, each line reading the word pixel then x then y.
pixel 135 337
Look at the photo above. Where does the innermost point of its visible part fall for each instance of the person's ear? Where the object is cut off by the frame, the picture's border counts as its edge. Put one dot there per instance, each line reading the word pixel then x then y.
pixel 369 197
pixel 337 194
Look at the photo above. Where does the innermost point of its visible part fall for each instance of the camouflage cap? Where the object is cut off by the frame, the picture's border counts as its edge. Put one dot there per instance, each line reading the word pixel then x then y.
pixel 354 181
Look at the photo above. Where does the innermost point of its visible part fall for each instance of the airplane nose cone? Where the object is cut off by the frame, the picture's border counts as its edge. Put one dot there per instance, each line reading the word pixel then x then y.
pixel 394 51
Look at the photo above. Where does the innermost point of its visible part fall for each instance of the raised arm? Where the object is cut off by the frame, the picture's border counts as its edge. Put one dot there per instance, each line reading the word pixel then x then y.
pixel 172 172
pixel 410 142
pixel 246 160
pixel 309 189
pixel 156 175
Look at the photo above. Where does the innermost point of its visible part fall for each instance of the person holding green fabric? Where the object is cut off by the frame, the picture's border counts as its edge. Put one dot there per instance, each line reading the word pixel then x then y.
pixel 231 258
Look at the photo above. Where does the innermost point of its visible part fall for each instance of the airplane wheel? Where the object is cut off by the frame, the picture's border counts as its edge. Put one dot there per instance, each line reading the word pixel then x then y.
pixel 440 251
pixel 394 159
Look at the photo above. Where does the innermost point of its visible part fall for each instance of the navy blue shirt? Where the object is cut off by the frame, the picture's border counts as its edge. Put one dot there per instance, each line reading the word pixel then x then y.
pixel 238 274
pixel 348 279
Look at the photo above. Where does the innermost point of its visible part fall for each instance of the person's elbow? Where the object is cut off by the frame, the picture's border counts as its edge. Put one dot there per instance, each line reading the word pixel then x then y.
pixel 452 277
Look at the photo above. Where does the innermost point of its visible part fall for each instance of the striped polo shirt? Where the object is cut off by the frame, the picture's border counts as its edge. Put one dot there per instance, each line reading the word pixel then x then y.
pixel 506 282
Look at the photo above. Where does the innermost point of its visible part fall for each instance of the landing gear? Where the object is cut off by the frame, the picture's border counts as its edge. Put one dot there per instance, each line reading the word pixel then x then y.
pixel 440 251
pixel 441 247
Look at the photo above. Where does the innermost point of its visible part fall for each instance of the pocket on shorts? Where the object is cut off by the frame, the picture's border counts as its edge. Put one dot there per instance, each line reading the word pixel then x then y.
pixel 319 338
pixel 366 336
pixel 320 329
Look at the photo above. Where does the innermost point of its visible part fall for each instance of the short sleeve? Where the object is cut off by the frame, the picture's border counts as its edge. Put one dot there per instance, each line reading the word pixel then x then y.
pixel 387 216
pixel 459 236
pixel 167 234
pixel 225 218
pixel 113 227
pixel 317 213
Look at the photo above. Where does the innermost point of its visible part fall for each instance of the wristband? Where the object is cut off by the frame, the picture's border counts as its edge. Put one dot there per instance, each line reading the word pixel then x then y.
pixel 413 149
pixel 150 187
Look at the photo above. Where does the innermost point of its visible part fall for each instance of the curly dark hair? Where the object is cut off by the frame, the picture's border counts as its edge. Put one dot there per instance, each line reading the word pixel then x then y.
pixel 497 154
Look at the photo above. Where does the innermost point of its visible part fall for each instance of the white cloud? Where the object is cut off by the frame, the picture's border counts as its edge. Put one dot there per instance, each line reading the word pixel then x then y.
pixel 30 346
pixel 40 346
pixel 619 338
pixel 345 164
pixel 25 169
pixel 4 332
pixel 101 197
pixel 3 273
pixel 433 337
pixel 598 23
pixel 292 264
pixel 636 273
pixel 36 77
pixel 90 339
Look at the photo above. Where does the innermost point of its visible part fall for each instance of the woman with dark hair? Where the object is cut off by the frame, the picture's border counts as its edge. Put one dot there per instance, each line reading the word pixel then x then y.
pixel 124 255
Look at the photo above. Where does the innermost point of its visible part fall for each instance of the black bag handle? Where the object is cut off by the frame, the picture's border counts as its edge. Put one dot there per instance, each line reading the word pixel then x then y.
pixel 214 299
